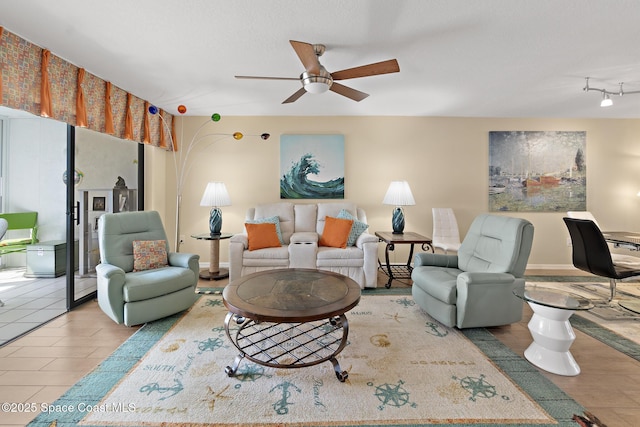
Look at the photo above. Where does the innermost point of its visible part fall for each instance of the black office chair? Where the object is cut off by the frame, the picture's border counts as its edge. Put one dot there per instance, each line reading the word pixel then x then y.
pixel 591 253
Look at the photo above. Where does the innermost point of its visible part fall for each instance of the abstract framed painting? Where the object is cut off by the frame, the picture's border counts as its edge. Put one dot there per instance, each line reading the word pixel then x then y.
pixel 312 167
pixel 537 171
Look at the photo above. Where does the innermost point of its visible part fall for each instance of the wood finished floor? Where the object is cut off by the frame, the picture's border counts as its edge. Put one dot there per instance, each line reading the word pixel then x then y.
pixel 42 365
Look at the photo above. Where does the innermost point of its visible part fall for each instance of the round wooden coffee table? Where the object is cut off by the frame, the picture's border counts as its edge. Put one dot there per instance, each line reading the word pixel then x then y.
pixel 289 318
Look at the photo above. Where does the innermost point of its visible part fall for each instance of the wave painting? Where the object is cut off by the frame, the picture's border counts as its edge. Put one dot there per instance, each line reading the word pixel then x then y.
pixel 312 167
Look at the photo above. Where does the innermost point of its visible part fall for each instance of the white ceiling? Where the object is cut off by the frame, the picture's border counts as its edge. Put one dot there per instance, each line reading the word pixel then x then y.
pixel 480 58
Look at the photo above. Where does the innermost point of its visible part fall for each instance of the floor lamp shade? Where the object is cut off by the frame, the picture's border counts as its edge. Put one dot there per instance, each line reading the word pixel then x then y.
pixel 215 195
pixel 398 195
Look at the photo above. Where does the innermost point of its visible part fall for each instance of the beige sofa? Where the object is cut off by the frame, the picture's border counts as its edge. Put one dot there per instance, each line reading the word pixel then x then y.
pixel 301 226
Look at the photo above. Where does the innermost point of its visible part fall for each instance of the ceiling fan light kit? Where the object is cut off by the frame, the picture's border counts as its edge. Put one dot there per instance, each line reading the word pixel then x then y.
pixel 316 79
pixel 316 84
pixel 606 94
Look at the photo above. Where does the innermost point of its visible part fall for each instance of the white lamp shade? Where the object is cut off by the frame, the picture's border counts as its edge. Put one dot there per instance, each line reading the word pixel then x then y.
pixel 399 194
pixel 215 195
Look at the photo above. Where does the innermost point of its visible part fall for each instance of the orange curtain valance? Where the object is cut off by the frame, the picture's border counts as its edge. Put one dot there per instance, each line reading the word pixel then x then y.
pixel 1 30
pixel 81 109
pixel 47 85
pixel 108 113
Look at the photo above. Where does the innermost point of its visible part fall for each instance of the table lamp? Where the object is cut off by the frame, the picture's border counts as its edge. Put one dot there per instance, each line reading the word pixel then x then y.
pixel 399 195
pixel 215 195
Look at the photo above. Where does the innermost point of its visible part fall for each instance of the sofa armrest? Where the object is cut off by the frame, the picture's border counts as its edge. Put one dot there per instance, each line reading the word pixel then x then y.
pixel 366 238
pixel 369 245
pixel 241 239
pixel 111 281
pixel 435 260
pixel 185 260
pixel 238 243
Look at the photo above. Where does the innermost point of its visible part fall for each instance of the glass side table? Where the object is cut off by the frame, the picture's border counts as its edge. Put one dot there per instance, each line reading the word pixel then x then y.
pixel 550 328
pixel 214 272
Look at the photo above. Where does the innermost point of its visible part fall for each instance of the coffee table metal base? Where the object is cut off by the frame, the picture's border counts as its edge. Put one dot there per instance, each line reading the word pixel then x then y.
pixel 287 345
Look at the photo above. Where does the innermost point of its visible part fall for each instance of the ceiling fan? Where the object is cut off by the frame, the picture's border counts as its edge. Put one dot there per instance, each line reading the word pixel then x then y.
pixel 316 79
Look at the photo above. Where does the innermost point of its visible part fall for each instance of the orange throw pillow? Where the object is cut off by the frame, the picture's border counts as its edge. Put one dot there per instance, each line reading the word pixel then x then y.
pixel 336 232
pixel 262 236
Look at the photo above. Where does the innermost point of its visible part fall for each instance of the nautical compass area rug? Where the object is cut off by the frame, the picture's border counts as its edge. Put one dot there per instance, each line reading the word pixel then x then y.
pixel 403 367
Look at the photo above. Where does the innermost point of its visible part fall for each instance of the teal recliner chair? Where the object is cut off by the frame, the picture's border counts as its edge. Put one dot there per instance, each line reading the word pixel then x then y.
pixel 474 288
pixel 136 297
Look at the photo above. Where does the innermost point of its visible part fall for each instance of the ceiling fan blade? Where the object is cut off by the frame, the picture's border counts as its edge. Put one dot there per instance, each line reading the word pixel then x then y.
pixel 350 93
pixel 267 78
pixel 295 96
pixel 384 67
pixel 307 55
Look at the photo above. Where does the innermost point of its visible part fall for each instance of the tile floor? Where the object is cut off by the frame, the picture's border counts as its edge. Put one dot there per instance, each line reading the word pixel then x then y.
pixel 42 365
pixel 27 303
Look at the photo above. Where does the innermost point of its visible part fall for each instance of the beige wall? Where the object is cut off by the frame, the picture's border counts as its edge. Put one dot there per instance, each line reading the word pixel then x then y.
pixel 445 160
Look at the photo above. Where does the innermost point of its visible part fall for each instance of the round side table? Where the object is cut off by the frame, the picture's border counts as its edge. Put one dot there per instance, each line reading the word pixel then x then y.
pixel 214 272
pixel 550 328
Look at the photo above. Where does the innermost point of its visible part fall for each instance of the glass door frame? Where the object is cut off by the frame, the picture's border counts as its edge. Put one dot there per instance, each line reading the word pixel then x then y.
pixel 73 215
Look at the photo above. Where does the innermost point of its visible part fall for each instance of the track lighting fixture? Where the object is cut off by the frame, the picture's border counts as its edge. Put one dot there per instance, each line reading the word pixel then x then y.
pixel 606 94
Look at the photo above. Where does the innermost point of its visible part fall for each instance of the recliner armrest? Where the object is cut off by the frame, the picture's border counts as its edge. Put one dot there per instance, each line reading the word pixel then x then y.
pixel 483 278
pixel 435 260
pixel 180 259
pixel 185 260
pixel 109 272
pixel 111 281
pixel 487 299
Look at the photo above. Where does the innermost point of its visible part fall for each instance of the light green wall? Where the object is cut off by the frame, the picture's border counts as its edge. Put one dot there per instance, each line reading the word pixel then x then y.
pixel 445 160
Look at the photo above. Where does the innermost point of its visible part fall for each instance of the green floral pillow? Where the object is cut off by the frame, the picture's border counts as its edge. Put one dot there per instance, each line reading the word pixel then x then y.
pixel 357 228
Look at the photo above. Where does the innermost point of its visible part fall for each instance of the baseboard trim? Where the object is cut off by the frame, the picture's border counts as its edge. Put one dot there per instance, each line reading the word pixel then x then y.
pixel 551 267
pixel 205 265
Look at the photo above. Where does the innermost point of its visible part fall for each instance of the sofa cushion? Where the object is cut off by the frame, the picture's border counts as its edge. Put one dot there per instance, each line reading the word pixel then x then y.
pixel 149 254
pixel 306 215
pixel 262 236
pixel 281 253
pixel 357 228
pixel 351 256
pixel 143 285
pixel 336 232
pixel 439 282
pixel 269 220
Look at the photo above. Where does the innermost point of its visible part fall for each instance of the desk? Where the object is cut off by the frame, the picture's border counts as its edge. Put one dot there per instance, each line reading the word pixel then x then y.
pixel 623 239
pixel 406 238
pixel 550 328
pixel 214 272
